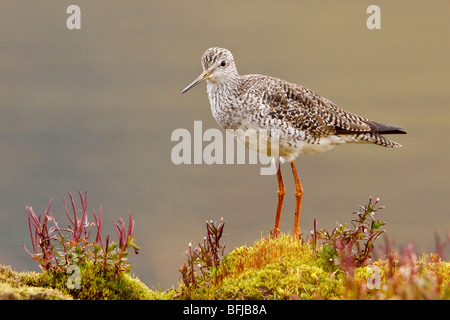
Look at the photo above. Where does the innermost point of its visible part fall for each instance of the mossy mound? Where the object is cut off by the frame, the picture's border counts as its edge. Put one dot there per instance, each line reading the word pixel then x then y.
pixel 12 287
pixel 269 269
pixel 94 285
pixel 286 269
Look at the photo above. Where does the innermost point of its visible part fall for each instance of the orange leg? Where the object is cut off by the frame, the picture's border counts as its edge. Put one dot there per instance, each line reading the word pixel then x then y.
pixel 281 193
pixel 298 200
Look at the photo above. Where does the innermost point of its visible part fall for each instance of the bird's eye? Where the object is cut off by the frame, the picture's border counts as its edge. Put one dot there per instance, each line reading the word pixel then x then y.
pixel 223 63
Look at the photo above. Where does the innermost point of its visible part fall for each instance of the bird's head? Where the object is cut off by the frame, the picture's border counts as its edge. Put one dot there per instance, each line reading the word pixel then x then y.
pixel 218 67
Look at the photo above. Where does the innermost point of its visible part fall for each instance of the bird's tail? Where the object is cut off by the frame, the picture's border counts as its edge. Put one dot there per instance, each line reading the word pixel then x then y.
pixel 378 139
pixel 375 134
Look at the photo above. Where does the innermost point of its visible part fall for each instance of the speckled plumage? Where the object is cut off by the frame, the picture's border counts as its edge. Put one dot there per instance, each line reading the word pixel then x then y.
pixel 305 121
pixel 296 118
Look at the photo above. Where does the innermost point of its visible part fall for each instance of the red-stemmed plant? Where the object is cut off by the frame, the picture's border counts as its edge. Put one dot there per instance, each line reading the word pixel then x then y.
pixel 57 248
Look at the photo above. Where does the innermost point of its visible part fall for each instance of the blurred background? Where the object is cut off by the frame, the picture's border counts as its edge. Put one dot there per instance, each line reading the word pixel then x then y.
pixel 94 109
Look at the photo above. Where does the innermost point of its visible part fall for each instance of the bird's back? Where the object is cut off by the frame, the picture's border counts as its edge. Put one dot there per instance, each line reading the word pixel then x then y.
pixel 304 117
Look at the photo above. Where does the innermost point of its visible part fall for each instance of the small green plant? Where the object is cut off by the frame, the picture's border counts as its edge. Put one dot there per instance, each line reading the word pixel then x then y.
pixel 56 248
pixel 351 247
pixel 201 260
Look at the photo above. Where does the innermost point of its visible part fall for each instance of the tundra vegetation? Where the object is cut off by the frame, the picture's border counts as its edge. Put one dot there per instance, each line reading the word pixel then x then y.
pixel 78 262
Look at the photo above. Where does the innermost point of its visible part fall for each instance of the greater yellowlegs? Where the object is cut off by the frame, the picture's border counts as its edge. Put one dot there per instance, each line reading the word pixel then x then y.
pixel 304 121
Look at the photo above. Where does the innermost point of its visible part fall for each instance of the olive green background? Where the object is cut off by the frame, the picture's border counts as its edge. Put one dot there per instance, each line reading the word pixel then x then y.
pixel 94 109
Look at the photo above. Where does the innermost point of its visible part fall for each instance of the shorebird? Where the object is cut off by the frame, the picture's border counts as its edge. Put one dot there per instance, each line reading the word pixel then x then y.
pixel 304 121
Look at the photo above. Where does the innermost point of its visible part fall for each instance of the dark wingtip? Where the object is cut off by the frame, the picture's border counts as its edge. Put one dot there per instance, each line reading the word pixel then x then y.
pixel 393 131
pixel 383 128
pixel 375 127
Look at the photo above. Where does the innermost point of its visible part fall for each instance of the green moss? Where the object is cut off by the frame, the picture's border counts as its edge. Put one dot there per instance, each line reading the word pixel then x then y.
pixel 270 269
pixel 12 287
pixel 95 284
pixel 285 269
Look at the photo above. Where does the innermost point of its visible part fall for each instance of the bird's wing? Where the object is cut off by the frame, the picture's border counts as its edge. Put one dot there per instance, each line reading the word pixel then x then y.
pixel 306 110
pixel 371 126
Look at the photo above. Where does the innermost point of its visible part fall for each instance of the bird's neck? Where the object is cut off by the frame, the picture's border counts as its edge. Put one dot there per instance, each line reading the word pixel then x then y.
pixel 224 90
pixel 223 97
